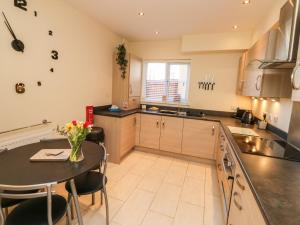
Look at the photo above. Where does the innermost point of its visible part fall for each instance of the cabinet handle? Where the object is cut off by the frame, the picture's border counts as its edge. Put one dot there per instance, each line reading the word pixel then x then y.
pixel 213 131
pixel 235 194
pixel 134 121
pixel 256 85
pixel 239 183
pixel 219 167
pixel 293 77
pixel 157 124
pixel 163 124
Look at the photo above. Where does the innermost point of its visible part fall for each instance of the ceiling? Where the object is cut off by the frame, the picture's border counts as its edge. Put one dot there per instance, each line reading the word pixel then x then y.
pixel 174 18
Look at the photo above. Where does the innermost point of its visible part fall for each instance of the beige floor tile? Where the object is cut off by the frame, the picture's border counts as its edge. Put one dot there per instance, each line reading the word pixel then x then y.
pixel 134 209
pixel 163 163
pixel 193 191
pixel 213 214
pixel 117 172
pixel 166 200
pixel 125 187
pixel 196 170
pixel 151 183
pixel 211 181
pixel 142 167
pixel 188 214
pixel 175 177
pixel 153 218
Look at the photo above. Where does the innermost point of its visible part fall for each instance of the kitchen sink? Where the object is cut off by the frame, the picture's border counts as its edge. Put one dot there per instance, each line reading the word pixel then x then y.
pixel 173 112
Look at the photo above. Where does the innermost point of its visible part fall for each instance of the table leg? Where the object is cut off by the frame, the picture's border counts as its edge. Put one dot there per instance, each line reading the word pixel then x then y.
pixel 77 207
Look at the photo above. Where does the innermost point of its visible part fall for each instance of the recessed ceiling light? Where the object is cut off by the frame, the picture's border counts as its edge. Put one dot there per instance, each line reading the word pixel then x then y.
pixel 246 2
pixel 141 13
pixel 157 32
pixel 235 27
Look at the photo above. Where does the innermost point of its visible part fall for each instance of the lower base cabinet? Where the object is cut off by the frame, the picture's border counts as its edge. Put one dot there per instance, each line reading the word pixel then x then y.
pixel 244 209
pixel 171 134
pixel 199 138
pixel 120 135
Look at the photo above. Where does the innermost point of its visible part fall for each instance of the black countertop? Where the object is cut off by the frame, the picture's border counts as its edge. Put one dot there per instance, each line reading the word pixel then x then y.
pixel 274 182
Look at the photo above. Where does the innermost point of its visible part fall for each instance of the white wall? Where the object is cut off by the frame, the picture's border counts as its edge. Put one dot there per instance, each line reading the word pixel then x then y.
pixel 83 73
pixel 230 41
pixel 223 65
pixel 283 108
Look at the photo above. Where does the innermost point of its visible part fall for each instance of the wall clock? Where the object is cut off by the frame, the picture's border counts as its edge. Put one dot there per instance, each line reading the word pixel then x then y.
pixel 16 43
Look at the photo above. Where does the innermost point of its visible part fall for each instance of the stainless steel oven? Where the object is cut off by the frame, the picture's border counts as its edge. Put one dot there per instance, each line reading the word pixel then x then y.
pixel 225 171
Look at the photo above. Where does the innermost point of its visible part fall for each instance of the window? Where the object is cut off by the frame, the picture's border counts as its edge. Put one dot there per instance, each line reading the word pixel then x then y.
pixel 166 82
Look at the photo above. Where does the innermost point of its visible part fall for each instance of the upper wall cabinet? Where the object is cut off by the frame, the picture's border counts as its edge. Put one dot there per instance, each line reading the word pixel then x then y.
pixel 127 91
pixel 241 76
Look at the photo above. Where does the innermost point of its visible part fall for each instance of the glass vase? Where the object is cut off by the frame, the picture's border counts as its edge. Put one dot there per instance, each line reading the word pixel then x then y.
pixel 76 152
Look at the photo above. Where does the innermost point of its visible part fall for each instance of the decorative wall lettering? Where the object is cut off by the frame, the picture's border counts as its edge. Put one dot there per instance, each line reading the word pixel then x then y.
pixel 22 4
pixel 20 88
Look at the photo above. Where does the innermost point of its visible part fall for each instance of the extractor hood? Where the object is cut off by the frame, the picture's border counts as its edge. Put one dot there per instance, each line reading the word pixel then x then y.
pixel 283 38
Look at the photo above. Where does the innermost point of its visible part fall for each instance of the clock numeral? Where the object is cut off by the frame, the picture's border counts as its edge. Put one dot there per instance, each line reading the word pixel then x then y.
pixel 35 13
pixel 52 70
pixel 22 4
pixel 50 32
pixel 54 54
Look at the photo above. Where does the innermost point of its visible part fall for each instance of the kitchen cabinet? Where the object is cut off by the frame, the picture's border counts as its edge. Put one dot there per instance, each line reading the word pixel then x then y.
pixel 150 131
pixel 127 91
pixel 241 75
pixel 199 138
pixel 244 209
pixel 138 128
pixel 171 134
pixel 120 135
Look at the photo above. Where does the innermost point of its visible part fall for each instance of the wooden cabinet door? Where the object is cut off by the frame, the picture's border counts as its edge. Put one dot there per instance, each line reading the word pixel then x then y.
pixel 150 131
pixel 199 138
pixel 241 76
pixel 238 211
pixel 137 128
pixel 253 80
pixel 127 137
pixel 135 76
pixel 171 134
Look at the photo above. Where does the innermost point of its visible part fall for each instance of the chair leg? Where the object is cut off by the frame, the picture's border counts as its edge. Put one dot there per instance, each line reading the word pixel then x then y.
pixel 69 219
pixel 106 206
pixel 93 199
pixel 6 212
pixel 101 198
pixel 70 203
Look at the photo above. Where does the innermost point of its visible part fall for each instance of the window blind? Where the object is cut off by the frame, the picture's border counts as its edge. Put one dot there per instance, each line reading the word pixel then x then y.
pixel 166 82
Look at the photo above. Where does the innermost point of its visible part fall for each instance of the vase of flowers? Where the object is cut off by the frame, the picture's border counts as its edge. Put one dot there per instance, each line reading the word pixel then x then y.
pixel 76 133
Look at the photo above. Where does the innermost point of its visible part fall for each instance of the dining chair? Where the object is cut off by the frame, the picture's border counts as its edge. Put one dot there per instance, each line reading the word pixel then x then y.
pixel 40 208
pixel 92 182
pixel 6 203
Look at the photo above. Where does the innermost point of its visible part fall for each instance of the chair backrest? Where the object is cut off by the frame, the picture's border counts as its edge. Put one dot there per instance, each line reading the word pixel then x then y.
pixel 18 192
pixel 103 164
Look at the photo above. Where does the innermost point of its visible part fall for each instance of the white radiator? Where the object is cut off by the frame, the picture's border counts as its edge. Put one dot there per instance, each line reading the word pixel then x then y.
pixel 26 136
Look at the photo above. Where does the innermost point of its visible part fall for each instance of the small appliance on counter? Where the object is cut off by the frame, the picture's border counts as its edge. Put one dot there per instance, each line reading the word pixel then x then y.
pixel 262 124
pixel 114 108
pixel 247 117
pixel 239 113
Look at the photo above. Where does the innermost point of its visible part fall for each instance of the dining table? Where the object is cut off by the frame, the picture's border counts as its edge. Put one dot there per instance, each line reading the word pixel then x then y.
pixel 16 168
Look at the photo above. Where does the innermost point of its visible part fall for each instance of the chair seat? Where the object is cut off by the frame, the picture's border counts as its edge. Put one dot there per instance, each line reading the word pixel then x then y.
pixel 88 183
pixel 7 202
pixel 34 211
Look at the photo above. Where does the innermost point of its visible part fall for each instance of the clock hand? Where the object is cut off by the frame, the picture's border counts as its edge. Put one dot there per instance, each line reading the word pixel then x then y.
pixel 11 32
pixel 16 43
pixel 9 27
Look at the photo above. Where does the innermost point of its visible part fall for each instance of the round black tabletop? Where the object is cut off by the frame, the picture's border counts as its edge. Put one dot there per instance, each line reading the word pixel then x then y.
pixel 17 169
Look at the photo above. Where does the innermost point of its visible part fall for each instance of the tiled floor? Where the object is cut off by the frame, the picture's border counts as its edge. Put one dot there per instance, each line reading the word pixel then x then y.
pixel 148 189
